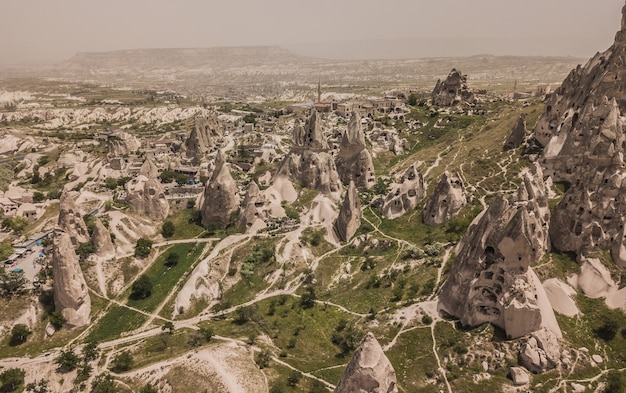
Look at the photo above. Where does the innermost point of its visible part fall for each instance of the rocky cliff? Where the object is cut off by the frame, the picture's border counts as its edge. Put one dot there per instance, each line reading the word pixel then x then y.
pixel 149 168
pixel 582 131
pixel 101 239
pixel 349 218
pixel 452 91
pixel 122 143
pixel 354 162
pixel 253 209
pixel 518 133
pixel 71 295
pixel 309 163
pixel 491 279
pixel 369 370
pixel 404 195
pixel 220 198
pixel 446 201
pixel 71 219
pixel 146 196
pixel 204 137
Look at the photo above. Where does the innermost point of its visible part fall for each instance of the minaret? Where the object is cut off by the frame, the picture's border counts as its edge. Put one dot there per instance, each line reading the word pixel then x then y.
pixel 319 91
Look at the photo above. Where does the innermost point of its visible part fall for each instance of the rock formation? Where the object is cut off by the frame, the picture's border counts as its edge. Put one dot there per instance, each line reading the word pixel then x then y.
pixel 517 134
pixel 405 195
pixel 122 143
pixel 309 163
pixel 149 168
pixel 369 370
pixel 354 161
pixel 71 295
pixel 101 239
pixel 220 198
pixel 253 207
pixel 452 91
pixel 203 138
pixel 491 279
pixel 582 131
pixel 349 219
pixel 541 352
pixel 146 196
pixel 71 220
pixel 446 201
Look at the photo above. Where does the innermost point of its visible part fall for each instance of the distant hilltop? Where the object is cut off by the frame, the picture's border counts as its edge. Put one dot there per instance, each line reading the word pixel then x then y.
pixel 184 58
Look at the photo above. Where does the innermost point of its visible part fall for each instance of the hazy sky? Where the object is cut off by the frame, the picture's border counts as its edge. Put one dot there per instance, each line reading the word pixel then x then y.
pixel 39 30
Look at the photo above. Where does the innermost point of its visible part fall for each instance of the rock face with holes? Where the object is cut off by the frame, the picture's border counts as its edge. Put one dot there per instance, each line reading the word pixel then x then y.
pixel 253 209
pixel 446 201
pixel 369 370
pixel 71 220
pixel 354 162
pixel 309 161
pixel 518 133
pixel 349 219
pixel 71 296
pixel 582 132
pixel 452 91
pixel 122 143
pixel 101 239
pixel 405 195
pixel 203 138
pixel 146 197
pixel 491 279
pixel 221 197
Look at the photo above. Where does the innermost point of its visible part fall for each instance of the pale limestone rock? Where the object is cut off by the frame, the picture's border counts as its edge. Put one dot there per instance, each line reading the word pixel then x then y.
pixel 452 91
pixel 491 279
pixel 369 370
pixel 404 195
pixel 221 197
pixel 146 196
pixel 254 208
pixel 71 295
pixel 541 352
pixel 204 137
pixel 519 376
pixel 122 143
pixel 354 162
pixel 101 239
pixel 149 169
pixel 349 219
pixel 518 133
pixel 310 164
pixel 71 219
pixel 561 297
pixel 582 131
pixel 446 201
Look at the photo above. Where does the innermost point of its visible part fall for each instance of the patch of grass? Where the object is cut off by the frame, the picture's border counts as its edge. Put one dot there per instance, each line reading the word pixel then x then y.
pixel 165 346
pixel 164 279
pixel 186 225
pixel 116 321
pixel 414 361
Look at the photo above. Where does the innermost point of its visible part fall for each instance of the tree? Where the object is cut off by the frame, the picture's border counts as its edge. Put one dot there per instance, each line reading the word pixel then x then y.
pixel 168 229
pixel 413 99
pixel 143 247
pixel 19 334
pixel 40 386
pixel 615 382
pixel 122 362
pixel 608 329
pixel 57 319
pixel 172 259
pixel 6 249
pixel 169 326
pixel 262 358
pixel 207 333
pixel 103 383
pixel 294 377
pixel 167 175
pixel 307 300
pixel 85 249
pixel 12 282
pixel 11 379
pixel 67 360
pixel 141 288
pixel 110 183
pixel 38 196
pixel 90 351
pixel 16 224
